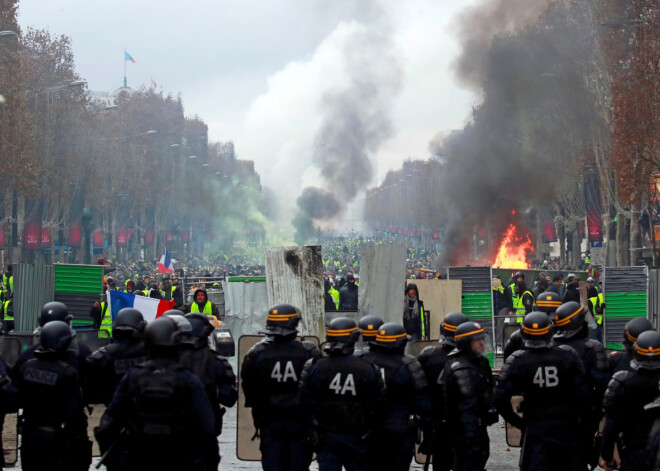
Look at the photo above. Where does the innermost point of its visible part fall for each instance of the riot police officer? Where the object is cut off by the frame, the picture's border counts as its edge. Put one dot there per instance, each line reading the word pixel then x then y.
pixel 620 360
pixel 571 329
pixel 468 385
pixel 433 361
pixel 107 365
pixel 270 377
pixel 368 326
pixel 215 371
pixel 160 416
pixel 627 394
pixel 547 302
pixel 76 353
pixel 392 442
pixel 551 380
pixel 8 401
pixel 341 394
pixel 654 437
pixel 54 424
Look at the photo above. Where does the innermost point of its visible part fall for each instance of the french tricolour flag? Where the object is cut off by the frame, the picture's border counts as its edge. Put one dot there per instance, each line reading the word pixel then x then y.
pixel 166 264
pixel 150 308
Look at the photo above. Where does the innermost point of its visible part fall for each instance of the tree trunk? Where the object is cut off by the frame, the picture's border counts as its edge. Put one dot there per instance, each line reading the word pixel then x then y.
pixel 561 236
pixel 576 246
pixel 621 242
pixel 635 235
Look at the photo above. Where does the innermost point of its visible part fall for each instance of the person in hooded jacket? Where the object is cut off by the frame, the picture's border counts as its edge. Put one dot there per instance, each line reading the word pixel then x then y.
pixel 201 304
pixel 348 295
pixel 414 319
pixel 572 291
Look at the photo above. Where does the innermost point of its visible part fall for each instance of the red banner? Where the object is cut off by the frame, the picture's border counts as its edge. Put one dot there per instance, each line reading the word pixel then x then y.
pixel 45 237
pixel 149 236
pixel 170 237
pixel 33 235
pixel 2 236
pixel 549 231
pixel 436 236
pixel 185 236
pixel 75 233
pixel 97 238
pixel 595 224
pixel 122 237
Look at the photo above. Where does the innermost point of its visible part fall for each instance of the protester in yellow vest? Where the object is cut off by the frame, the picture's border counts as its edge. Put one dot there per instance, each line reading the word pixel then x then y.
pixel 202 304
pixel 522 301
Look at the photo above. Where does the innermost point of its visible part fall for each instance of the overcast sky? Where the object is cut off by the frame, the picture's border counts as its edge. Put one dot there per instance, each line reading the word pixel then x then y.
pixel 256 71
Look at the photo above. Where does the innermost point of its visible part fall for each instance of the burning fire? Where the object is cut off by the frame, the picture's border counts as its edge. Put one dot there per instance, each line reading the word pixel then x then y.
pixel 513 250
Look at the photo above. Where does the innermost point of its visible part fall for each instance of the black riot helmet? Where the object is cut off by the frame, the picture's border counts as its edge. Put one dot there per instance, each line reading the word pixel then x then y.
pixel 537 330
pixel 55 336
pixel 282 320
pixel 569 320
pixel 185 328
pixel 341 336
pixel 162 335
pixel 54 311
pixel 519 274
pixel 201 327
pixel 392 336
pixel 129 322
pixel 450 324
pixel 633 329
pixel 369 326
pixel 548 302
pixel 646 352
pixel 466 333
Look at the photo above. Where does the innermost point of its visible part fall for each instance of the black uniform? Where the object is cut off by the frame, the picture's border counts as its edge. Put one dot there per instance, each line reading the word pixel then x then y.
pixel 513 344
pixel 626 396
pixel 76 356
pixel 270 378
pixel 654 437
pixel 392 442
pixel 433 361
pixel 217 376
pixel 348 297
pixel 468 385
pixel 340 393
pixel 8 401
pixel 593 358
pixel 619 361
pixel 552 382
pixel 108 365
pixel 54 429
pixel 161 418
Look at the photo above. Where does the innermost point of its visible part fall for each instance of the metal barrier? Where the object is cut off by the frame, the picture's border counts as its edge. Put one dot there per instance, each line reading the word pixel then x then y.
pixel 33 287
pixel 94 339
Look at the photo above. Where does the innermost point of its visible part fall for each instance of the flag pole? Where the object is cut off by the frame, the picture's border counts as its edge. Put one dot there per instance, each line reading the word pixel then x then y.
pixel 125 82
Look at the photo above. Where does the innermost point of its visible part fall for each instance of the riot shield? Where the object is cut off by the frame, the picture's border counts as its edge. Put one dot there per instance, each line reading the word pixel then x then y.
pixel 513 434
pixel 94 339
pixel 10 439
pixel 247 447
pixel 10 349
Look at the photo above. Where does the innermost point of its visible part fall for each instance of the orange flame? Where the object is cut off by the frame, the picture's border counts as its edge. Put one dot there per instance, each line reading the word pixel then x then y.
pixel 514 250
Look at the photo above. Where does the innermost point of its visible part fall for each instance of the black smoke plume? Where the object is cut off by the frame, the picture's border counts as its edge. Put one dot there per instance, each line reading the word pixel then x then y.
pixel 355 121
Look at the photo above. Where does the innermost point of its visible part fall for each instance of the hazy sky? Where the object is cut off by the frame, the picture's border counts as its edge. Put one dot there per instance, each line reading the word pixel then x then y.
pixel 256 71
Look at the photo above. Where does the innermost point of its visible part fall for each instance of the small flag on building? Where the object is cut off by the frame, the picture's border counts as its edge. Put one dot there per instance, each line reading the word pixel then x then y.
pixel 128 57
pixel 166 264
